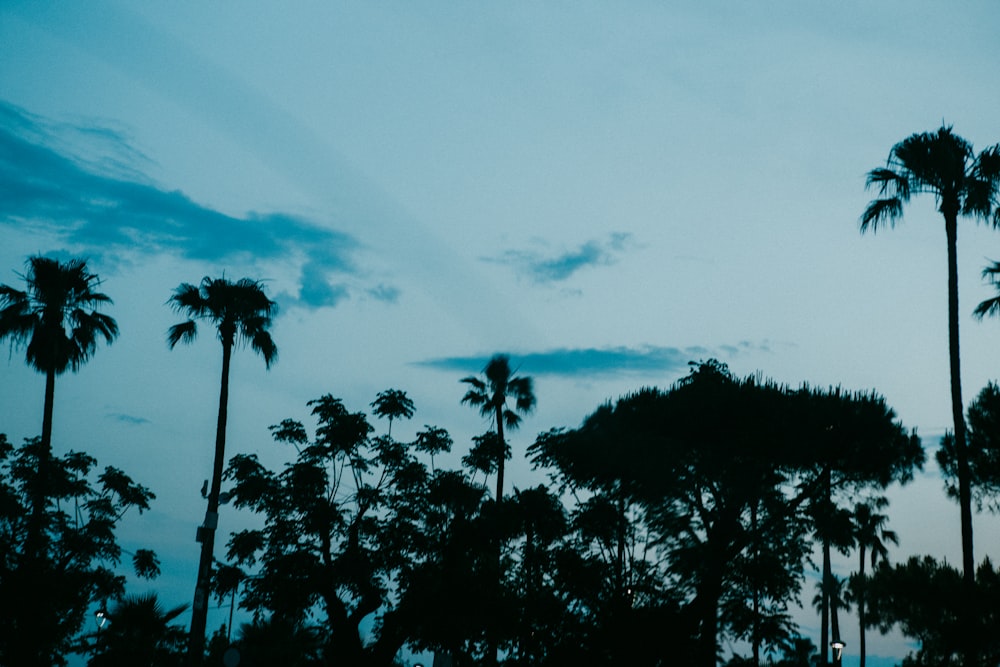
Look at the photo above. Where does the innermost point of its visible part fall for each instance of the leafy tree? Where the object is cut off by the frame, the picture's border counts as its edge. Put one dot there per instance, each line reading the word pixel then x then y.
pixel 433 440
pixel 278 641
pixel 140 633
pixel 930 604
pixel 856 444
pixel 944 165
pixel 342 524
pixel 725 470
pixel 56 322
pixel 392 404
pixel 984 449
pixel 241 314
pixel 446 595
pixel 46 596
pixel 491 394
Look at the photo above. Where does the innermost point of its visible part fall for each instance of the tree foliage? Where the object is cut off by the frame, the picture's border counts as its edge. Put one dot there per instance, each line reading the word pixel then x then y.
pixel 47 594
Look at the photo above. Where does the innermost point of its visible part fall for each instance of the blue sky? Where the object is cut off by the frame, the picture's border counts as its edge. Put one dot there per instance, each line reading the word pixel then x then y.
pixel 604 191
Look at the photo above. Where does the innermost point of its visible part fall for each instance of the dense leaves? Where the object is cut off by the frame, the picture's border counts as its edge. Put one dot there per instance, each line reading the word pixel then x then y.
pixel 48 587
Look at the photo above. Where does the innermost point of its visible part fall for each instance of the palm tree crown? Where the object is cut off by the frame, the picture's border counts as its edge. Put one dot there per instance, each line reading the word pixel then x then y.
pixel 240 311
pixel 491 396
pixel 939 163
pixel 55 317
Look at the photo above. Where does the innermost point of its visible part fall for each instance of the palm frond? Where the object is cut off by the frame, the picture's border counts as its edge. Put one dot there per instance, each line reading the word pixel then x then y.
pixel 889 182
pixel 263 344
pixel 990 307
pixel 881 212
pixel 184 332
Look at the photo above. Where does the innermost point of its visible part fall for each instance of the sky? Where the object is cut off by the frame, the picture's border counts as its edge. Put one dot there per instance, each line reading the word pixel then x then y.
pixel 605 191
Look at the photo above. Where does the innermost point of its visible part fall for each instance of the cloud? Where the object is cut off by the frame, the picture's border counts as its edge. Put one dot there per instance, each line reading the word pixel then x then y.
pixel 106 205
pixel 590 362
pixel 128 419
pixel 542 269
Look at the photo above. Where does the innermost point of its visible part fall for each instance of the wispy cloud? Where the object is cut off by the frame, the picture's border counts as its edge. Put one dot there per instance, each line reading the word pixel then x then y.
pixel 106 205
pixel 547 268
pixel 577 362
pixel 127 419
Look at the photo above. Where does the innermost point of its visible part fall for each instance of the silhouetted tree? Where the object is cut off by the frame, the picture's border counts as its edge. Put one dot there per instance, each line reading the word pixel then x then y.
pixel 855 445
pixel 433 440
pixel 241 314
pixel 279 641
pixel 944 165
pixel 140 633
pixel 343 525
pixel 491 394
pixel 831 595
pixel 46 595
pixel 984 450
pixel 392 404
pixel 870 534
pixel 930 604
pixel 56 322
pixel 725 470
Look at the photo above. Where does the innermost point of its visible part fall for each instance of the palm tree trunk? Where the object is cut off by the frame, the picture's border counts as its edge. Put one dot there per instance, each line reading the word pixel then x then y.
pixel 835 626
pixel 199 615
pixel 824 640
pixel 35 538
pixel 958 415
pixel 755 632
pixel 861 605
pixel 824 635
pixel 957 407
pixel 492 635
pixel 500 462
pixel 50 393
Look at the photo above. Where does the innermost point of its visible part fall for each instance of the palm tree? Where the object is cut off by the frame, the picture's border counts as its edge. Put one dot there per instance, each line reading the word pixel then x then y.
pixel 56 322
pixel 491 395
pixel 831 592
pixel 869 533
pixel 240 313
pixel 140 633
pixel 942 164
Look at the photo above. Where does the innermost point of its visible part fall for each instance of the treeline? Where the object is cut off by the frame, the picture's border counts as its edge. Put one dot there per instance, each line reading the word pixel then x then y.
pixel 676 520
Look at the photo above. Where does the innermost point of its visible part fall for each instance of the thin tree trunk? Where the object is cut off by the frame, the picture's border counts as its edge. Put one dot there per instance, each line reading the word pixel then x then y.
pixel 824 639
pixel 957 406
pixel 755 633
pixel 500 461
pixel 199 614
pixel 958 415
pixel 50 393
pixel 861 606
pixel 493 633
pixel 835 623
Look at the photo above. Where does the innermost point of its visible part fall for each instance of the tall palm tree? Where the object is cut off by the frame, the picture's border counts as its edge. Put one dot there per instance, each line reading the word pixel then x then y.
pixel 240 313
pixel 942 164
pixel 869 533
pixel 491 394
pixel 55 319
